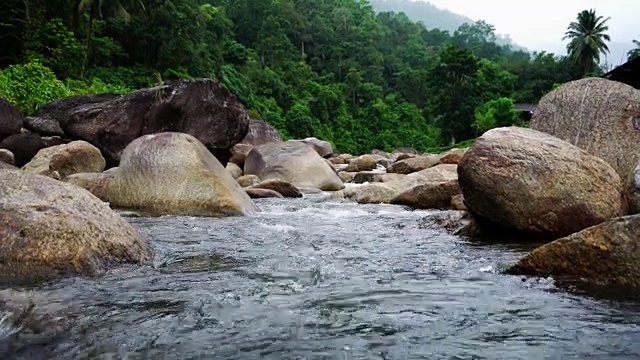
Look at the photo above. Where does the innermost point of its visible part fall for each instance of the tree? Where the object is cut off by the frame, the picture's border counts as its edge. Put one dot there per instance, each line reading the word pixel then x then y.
pixel 587 39
pixel 634 53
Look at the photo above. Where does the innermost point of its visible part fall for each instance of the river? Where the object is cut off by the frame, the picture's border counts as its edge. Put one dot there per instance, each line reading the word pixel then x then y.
pixel 316 279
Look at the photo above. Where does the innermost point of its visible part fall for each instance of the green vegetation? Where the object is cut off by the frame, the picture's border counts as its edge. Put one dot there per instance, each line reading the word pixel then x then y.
pixel 334 69
pixel 634 53
pixel 587 39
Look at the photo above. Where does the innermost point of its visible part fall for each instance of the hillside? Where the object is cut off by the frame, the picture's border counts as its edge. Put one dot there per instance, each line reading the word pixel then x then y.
pixel 333 69
pixel 434 17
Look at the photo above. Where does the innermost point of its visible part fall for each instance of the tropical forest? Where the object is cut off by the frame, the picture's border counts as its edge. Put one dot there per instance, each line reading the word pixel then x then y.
pixel 338 70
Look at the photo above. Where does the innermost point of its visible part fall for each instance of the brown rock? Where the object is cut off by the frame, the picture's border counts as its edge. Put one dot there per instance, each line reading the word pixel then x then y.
pixel 293 162
pixel 259 133
pixel 7 157
pixel 362 163
pixel 376 193
pixel 248 180
pixel 51 229
pixel 452 156
pixel 67 159
pixel 455 222
pixel 282 187
pixel 346 177
pixel 173 173
pixel 431 188
pixel 457 203
pixel 323 148
pixel 530 181
pixel 256 193
pixel 234 170
pixel 96 183
pixel 23 146
pixel 605 254
pixel 202 108
pixel 414 164
pixel 598 115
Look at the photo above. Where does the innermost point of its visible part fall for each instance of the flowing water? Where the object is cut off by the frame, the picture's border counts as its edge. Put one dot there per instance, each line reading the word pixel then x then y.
pixel 315 279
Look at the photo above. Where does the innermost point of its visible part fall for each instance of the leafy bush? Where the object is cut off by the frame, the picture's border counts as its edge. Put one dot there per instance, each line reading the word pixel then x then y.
pixel 496 113
pixel 94 86
pixel 31 85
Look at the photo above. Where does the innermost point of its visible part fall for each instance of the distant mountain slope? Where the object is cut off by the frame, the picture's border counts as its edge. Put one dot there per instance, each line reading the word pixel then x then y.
pixel 433 17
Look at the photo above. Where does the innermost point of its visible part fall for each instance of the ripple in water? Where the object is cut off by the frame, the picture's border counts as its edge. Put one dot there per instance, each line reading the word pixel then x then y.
pixel 309 279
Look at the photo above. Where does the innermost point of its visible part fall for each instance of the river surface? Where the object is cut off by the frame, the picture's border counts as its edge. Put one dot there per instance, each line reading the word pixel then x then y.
pixel 316 279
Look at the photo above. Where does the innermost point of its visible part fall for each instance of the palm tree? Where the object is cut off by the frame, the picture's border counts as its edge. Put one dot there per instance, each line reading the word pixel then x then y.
pixel 634 53
pixel 588 39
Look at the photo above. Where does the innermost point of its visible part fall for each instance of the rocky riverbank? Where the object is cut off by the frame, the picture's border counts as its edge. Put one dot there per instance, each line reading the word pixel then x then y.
pixel 189 148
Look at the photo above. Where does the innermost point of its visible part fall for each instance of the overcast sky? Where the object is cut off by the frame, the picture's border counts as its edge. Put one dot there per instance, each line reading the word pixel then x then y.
pixel 540 24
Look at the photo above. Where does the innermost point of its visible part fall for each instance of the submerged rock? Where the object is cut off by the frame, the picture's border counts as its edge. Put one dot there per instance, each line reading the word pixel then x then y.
pixel 605 254
pixel 51 229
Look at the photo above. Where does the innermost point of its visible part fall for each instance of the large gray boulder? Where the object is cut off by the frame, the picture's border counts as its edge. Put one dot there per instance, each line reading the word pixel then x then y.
pixel 294 162
pixel 598 115
pixel 173 173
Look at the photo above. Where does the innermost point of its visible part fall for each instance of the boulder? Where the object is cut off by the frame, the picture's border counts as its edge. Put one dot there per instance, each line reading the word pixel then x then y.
pixel 25 146
pixel 293 162
pixel 10 119
pixel 432 188
pixel 67 159
pixel 376 193
pixel 323 148
pixel 342 159
pixel 256 193
pixel 452 156
pixel 346 177
pixel 414 164
pixel 374 176
pixel 605 254
pixel 533 182
pixel 633 191
pixel 7 157
pixel 598 115
pixel 51 229
pixel 173 173
pixel 282 187
pixel 43 126
pixel 457 203
pixel 362 163
pixel 259 133
pixel 234 170
pixel 455 222
pixel 202 108
pixel 96 183
pixel 248 180
pixel 5 166
pixel 429 188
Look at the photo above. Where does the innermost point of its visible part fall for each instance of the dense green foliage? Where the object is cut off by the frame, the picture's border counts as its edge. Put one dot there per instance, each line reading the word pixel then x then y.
pixel 334 69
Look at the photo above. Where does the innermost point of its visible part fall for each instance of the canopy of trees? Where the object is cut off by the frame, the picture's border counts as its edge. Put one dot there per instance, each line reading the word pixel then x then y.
pixel 334 69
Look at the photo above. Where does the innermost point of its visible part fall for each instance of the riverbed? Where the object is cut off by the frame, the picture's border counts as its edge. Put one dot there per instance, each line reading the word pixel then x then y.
pixel 317 279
